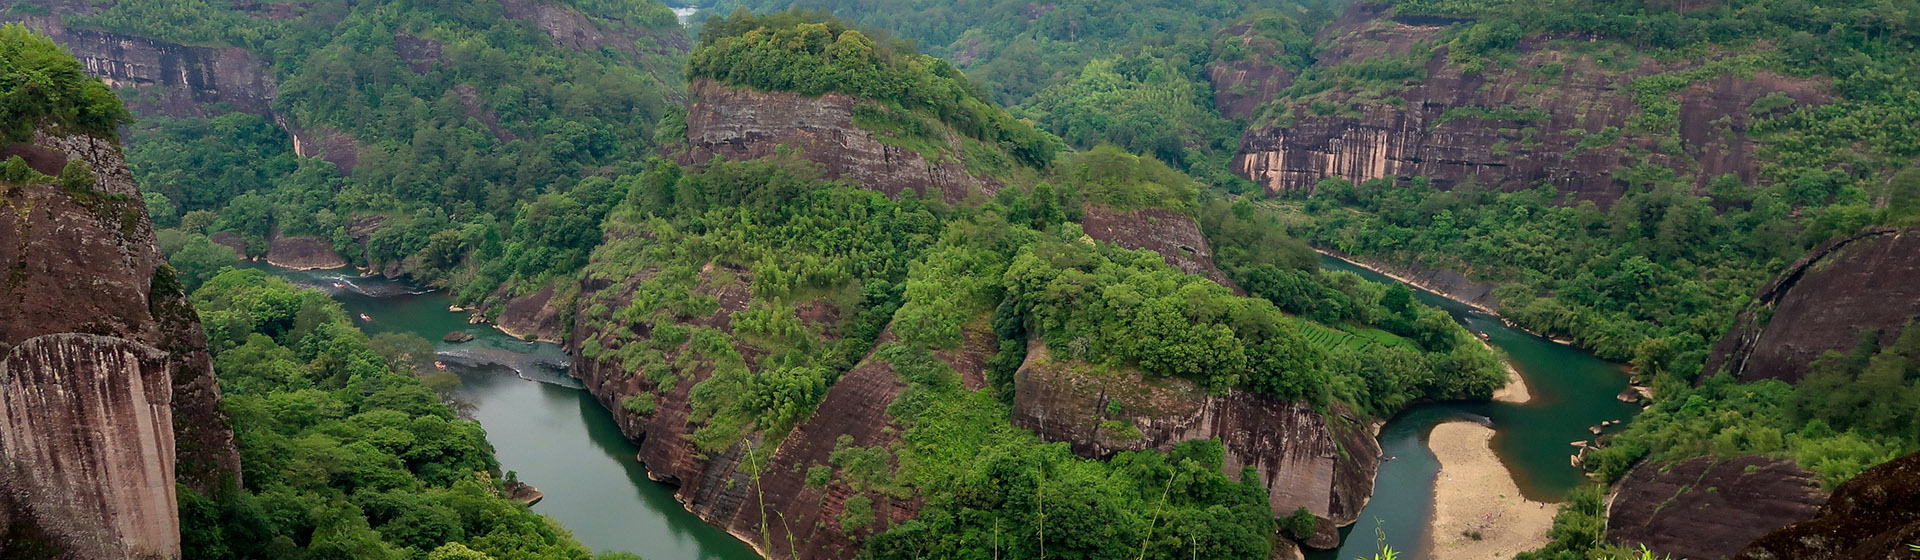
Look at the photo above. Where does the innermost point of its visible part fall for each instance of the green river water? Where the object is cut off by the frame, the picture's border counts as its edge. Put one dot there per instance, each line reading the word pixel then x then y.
pixel 547 428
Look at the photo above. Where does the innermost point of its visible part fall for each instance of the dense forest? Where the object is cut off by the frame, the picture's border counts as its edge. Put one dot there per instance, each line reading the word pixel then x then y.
pixel 507 163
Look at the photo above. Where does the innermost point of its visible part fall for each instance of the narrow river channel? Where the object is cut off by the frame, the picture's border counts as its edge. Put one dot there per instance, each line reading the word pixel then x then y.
pixel 549 430
pixel 1572 391
pixel 542 424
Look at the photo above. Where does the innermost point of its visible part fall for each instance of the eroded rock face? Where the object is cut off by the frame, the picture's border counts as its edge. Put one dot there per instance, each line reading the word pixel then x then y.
pixel 1875 515
pixel 1242 87
pixel 534 314
pixel 739 123
pixel 302 252
pixel 1706 508
pixel 1172 234
pixel 86 438
pixel 1491 128
pixel 88 263
pixel 183 77
pixel 800 521
pixel 1822 303
pixel 1322 462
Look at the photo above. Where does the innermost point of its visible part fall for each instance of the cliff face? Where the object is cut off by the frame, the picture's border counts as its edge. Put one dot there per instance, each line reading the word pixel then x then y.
pixel 1505 128
pixel 84 260
pixel 1241 87
pixel 775 509
pixel 86 435
pixel 1323 462
pixel 1823 302
pixel 1704 508
pixel 1875 515
pixel 302 252
pixel 173 79
pixel 1172 234
pixel 740 123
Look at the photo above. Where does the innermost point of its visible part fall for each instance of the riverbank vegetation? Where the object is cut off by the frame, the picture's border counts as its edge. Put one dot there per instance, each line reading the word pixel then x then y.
pixel 345 452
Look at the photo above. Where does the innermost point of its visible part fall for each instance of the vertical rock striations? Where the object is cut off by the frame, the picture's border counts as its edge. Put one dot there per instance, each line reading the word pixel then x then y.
pixel 740 123
pixel 1322 461
pixel 1506 128
pixel 86 433
pixel 83 259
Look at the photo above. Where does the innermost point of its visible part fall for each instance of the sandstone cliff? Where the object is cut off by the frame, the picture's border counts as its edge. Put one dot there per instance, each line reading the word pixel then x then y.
pixel 1822 303
pixel 1510 128
pixel 302 252
pixel 1172 234
pixel 740 123
pixel 772 507
pixel 1242 87
pixel 84 260
pixel 1322 461
pixel 1705 508
pixel 173 79
pixel 1875 515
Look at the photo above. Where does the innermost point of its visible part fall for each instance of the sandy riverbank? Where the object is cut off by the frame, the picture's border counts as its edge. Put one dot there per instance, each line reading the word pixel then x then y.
pixel 1516 390
pixel 1476 495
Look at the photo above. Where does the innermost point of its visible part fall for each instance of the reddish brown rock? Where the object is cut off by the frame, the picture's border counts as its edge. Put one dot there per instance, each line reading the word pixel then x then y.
pixel 1508 128
pixel 1324 462
pixel 1172 234
pixel 302 252
pixel 533 314
pixel 1875 515
pixel 1822 303
pixel 86 440
pixel 740 123
pixel 1705 508
pixel 232 241
pixel 1242 87
pixel 86 262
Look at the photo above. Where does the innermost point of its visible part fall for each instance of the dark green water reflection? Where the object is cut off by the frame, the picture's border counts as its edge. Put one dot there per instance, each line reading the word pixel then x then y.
pixel 541 424
pixel 1572 391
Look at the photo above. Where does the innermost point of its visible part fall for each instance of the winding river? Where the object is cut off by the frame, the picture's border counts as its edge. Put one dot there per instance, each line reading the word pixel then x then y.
pixel 547 428
pixel 542 424
pixel 1572 391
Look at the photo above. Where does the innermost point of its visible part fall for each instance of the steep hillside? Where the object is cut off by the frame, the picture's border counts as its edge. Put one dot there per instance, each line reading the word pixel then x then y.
pixel 1391 96
pixel 1849 288
pixel 109 396
pixel 1876 515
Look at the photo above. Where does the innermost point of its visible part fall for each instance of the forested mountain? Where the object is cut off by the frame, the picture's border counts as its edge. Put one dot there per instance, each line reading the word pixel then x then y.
pixel 894 284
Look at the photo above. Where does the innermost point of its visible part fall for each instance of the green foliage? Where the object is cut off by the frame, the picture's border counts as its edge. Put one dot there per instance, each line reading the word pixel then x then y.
pixel 1147 103
pixel 1299 525
pixel 1111 177
pixel 812 54
pixel 43 86
pixel 856 514
pixel 1016 49
pixel 641 404
pixel 345 453
pixel 199 259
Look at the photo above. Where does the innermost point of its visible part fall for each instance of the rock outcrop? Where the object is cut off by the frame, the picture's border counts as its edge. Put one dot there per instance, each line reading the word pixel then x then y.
pixel 1705 508
pixel 84 260
pixel 1875 515
pixel 1324 462
pixel 1172 234
pixel 535 314
pixel 778 513
pixel 174 79
pixel 1242 87
pixel 1823 302
pixel 302 252
pixel 1509 127
pixel 741 123
pixel 86 443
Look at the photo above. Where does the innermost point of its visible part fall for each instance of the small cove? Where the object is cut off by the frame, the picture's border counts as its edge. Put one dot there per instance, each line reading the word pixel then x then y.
pixel 1572 391
pixel 543 425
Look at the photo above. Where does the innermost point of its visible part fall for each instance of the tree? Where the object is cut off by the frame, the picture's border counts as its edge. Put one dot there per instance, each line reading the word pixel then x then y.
pixel 200 260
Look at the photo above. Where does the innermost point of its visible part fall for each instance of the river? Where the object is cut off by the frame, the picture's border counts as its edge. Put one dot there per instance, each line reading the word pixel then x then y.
pixel 547 428
pixel 541 423
pixel 1572 390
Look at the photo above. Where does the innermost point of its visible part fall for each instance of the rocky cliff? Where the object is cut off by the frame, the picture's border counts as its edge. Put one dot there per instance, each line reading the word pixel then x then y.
pixel 84 260
pixel 1705 508
pixel 1241 87
pixel 1875 515
pixel 302 252
pixel 1823 302
pixel 741 123
pixel 169 78
pixel 1509 127
pixel 1172 234
pixel 1322 461
pixel 773 507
